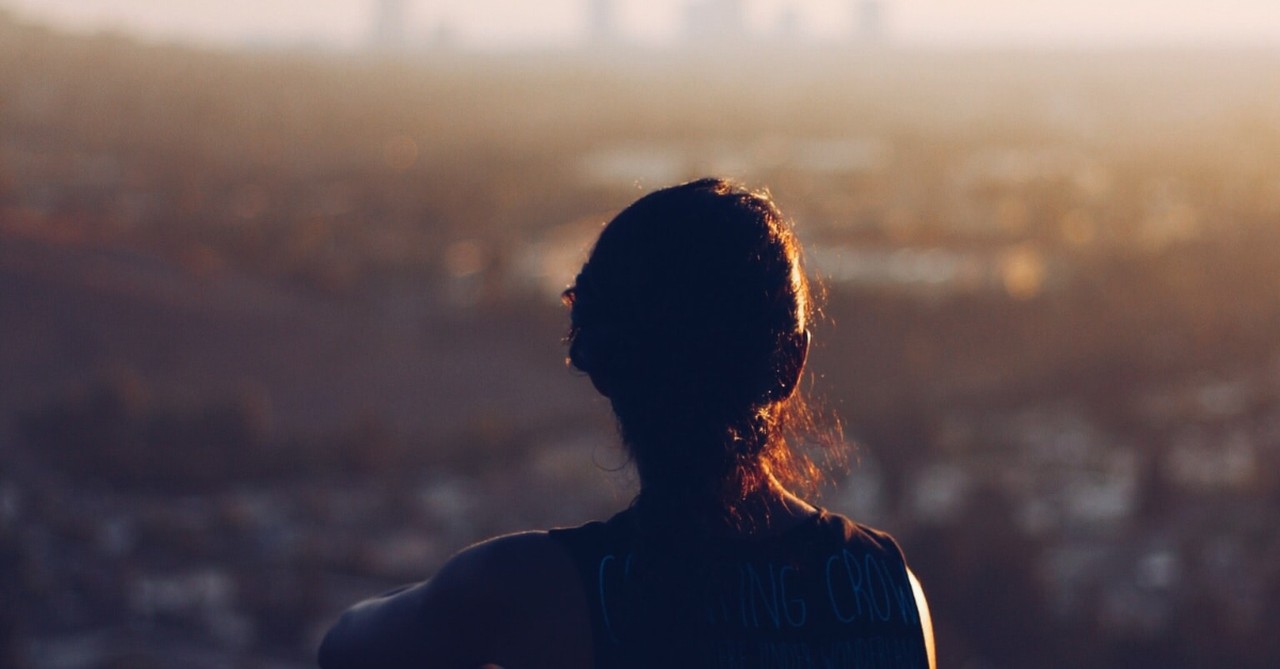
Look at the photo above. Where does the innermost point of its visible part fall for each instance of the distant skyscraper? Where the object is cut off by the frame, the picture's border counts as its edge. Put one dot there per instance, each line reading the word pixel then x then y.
pixel 602 21
pixel 389 25
pixel 869 20
pixel 790 26
pixel 716 20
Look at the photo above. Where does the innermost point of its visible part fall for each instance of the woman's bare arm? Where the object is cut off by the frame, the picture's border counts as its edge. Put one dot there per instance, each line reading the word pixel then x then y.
pixel 926 621
pixel 513 601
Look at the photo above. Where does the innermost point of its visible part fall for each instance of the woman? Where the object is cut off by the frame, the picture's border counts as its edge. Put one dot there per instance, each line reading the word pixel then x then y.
pixel 691 316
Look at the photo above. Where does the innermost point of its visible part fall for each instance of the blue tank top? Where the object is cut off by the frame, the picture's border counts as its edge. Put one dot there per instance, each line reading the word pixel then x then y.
pixel 828 593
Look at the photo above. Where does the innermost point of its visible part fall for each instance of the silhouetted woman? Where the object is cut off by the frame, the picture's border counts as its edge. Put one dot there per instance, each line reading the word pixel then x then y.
pixel 691 315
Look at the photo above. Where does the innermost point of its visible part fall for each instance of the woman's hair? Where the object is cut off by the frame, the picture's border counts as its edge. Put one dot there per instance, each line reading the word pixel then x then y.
pixel 691 315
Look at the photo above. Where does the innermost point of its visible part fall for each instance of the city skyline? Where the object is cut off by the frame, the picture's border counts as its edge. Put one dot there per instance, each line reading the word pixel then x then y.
pixel 554 23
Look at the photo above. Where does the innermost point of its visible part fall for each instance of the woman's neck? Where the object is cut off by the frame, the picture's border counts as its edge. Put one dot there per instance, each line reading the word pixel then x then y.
pixel 767 509
pixel 773 509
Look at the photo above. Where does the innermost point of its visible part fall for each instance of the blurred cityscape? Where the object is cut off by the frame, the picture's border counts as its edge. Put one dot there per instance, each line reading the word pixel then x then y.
pixel 700 24
pixel 280 330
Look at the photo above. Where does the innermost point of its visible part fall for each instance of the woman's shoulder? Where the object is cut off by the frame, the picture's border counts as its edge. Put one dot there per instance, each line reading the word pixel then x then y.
pixel 498 601
pixel 505 564
pixel 844 529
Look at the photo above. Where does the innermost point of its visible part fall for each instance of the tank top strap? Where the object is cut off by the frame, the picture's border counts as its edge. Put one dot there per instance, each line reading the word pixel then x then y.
pixel 600 551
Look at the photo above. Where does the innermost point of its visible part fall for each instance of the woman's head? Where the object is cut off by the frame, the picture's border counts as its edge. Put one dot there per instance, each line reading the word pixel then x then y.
pixel 691 315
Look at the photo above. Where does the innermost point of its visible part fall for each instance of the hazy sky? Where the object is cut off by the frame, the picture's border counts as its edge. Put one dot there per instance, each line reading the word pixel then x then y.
pixel 512 22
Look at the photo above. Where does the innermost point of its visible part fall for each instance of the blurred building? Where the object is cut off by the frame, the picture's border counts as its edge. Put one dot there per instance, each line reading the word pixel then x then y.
pixel 868 20
pixel 715 21
pixel 603 26
pixel 790 24
pixel 388 31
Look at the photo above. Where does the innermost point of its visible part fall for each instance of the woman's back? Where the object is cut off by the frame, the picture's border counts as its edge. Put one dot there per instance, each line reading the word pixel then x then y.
pixel 826 592
pixel 691 316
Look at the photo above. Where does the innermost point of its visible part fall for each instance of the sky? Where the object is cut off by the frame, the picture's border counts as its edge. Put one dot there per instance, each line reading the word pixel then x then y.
pixel 517 23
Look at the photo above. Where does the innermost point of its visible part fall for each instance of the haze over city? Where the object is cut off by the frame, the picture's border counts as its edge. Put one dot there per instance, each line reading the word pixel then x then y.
pixel 557 23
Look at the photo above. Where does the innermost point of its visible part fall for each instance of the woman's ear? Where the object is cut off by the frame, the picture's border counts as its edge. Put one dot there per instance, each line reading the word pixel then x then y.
pixel 793 352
